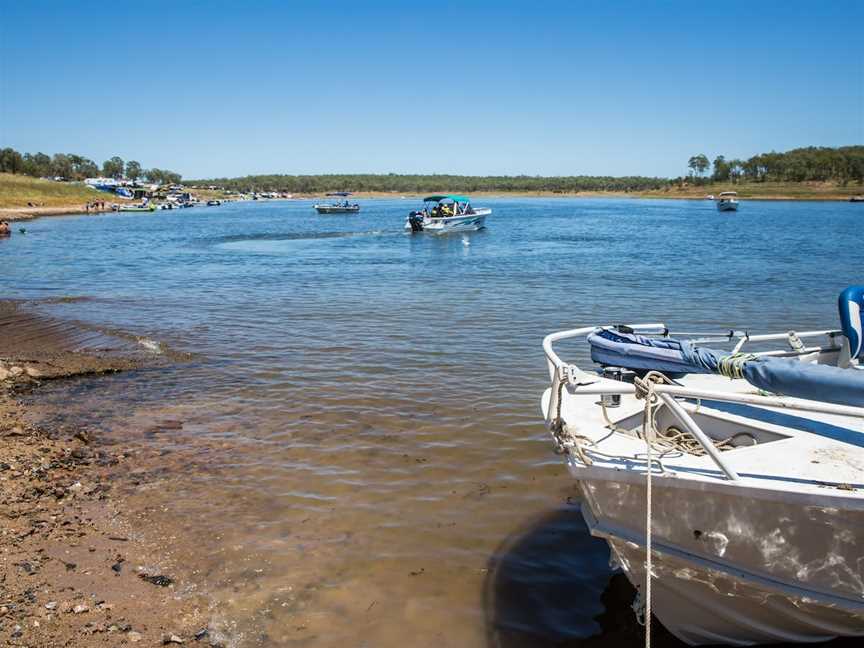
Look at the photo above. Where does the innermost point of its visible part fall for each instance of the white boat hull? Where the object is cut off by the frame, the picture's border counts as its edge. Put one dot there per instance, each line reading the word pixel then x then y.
pixel 463 223
pixel 727 205
pixel 735 568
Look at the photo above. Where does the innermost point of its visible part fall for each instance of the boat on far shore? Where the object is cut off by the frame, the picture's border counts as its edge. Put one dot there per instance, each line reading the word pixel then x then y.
pixel 143 207
pixel 856 199
pixel 727 201
pixel 338 207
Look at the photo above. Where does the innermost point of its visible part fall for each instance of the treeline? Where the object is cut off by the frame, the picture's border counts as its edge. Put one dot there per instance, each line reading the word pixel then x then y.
pixel 69 166
pixel 430 183
pixel 814 163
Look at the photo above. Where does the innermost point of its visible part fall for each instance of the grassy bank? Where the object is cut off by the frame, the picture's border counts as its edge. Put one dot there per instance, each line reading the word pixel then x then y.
pixel 18 190
pixel 763 191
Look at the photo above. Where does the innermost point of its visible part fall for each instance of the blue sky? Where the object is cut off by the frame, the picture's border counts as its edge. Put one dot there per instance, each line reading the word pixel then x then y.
pixel 541 88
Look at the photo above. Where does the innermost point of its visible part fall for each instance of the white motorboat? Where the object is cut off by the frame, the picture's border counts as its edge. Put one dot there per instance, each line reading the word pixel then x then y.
pixel 443 213
pixel 751 518
pixel 339 206
pixel 727 201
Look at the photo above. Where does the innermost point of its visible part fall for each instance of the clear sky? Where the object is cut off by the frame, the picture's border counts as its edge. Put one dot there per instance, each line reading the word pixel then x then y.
pixel 542 88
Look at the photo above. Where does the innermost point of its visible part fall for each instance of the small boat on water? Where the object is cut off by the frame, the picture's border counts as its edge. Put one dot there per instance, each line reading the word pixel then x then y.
pixel 443 213
pixel 856 199
pixel 735 479
pixel 727 201
pixel 338 207
pixel 214 203
pixel 143 207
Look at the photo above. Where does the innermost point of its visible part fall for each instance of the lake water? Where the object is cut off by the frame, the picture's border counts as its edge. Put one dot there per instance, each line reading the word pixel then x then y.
pixel 371 467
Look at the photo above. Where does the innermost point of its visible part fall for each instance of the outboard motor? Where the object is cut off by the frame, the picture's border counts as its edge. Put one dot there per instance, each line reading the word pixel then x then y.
pixel 415 219
pixel 851 304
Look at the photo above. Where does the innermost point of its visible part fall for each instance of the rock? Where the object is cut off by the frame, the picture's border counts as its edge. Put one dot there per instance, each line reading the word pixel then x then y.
pixel 51 605
pixel 83 436
pixel 4 466
pixel 16 631
pixel 200 634
pixel 134 637
pixel 80 609
pixel 16 371
pixel 76 487
pixel 171 639
pixel 33 372
pixel 160 580
pixel 117 567
pixel 5 373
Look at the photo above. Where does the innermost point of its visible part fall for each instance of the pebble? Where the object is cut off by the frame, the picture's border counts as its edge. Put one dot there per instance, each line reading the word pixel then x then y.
pixel 80 609
pixel 134 637
pixel 171 639
pixel 51 605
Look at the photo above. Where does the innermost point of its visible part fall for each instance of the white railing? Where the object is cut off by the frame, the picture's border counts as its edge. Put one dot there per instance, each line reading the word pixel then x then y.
pixel 577 381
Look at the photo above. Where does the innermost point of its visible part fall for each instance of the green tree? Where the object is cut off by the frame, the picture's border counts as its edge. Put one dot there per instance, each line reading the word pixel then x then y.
pixel 61 166
pixel 11 161
pixel 133 170
pixel 113 168
pixel 721 169
pixel 698 164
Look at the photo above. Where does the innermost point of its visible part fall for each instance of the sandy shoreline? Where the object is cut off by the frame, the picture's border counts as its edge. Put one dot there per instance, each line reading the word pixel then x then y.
pixel 29 213
pixel 81 563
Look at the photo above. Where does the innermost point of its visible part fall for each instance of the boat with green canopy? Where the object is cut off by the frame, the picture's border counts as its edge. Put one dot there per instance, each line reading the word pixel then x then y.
pixel 444 213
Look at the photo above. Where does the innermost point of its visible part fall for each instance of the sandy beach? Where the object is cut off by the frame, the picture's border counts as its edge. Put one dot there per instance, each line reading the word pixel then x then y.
pixel 82 562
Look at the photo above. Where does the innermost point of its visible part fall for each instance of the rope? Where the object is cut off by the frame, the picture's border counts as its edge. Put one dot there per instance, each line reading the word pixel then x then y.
pixel 732 366
pixel 565 440
pixel 645 391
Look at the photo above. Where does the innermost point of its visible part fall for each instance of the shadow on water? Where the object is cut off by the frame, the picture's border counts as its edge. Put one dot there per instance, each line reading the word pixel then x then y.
pixel 550 584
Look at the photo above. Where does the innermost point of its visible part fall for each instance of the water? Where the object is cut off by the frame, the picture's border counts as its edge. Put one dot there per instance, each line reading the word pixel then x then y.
pixel 362 404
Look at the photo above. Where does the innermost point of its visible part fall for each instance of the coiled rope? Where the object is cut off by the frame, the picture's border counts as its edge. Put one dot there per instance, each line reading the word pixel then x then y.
pixel 732 366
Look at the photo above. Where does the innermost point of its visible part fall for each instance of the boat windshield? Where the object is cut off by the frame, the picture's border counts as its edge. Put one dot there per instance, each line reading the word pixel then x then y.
pixel 447 206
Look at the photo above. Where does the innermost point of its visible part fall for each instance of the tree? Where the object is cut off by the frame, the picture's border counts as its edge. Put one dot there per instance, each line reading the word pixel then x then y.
pixel 133 170
pixel 11 161
pixel 698 164
pixel 61 166
pixel 113 168
pixel 721 169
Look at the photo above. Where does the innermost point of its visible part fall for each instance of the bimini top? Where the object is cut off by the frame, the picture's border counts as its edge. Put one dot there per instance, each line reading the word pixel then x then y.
pixel 440 197
pixel 728 193
pixel 339 193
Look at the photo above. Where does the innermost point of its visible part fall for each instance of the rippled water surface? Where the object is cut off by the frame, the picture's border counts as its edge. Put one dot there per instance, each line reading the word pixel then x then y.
pixel 389 481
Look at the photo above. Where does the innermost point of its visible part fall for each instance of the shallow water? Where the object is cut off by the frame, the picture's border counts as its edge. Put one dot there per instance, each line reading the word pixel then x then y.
pixel 388 479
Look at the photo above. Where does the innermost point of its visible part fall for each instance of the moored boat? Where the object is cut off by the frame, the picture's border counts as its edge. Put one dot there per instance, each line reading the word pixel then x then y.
pixel 444 213
pixel 144 207
pixel 727 201
pixel 753 505
pixel 338 207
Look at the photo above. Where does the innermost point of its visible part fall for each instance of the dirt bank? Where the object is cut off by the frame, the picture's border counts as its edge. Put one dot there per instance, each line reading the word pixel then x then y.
pixel 79 564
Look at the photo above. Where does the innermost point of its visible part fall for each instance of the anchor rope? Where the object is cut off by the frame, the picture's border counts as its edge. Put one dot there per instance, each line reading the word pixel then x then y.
pixel 645 391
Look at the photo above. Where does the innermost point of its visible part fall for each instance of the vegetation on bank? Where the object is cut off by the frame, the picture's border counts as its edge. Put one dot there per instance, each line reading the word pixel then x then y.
pixel 70 166
pixel 19 190
pixel 416 184
pixel 839 167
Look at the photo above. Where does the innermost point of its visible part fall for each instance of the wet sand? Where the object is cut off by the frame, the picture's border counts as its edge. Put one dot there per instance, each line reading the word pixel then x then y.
pixel 80 565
